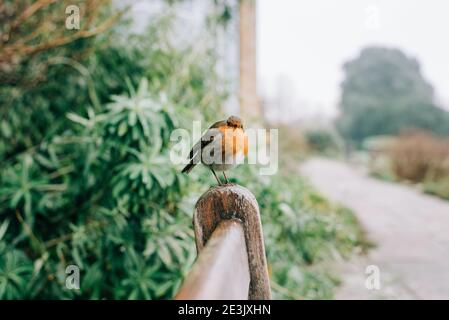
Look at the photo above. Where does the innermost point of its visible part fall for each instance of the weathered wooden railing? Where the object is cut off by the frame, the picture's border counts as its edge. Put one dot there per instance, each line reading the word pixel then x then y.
pixel 231 261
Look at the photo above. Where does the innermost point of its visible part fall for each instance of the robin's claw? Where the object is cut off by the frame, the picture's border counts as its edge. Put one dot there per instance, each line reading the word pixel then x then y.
pixel 216 177
pixel 226 178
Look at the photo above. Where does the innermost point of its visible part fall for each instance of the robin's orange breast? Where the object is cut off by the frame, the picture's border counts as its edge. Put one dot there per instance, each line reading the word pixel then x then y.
pixel 234 140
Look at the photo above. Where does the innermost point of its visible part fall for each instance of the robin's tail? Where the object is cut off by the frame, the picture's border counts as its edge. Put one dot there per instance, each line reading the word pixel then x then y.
pixel 188 168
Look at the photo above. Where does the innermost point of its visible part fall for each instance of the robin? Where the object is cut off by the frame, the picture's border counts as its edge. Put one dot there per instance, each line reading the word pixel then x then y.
pixel 222 147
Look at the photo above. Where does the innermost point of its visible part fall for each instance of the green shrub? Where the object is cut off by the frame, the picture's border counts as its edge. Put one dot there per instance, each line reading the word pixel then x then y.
pixel 419 155
pixel 105 199
pixel 321 141
pixel 88 181
pixel 437 187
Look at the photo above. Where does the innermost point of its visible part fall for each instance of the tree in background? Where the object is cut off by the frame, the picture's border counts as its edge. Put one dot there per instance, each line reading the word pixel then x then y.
pixel 385 92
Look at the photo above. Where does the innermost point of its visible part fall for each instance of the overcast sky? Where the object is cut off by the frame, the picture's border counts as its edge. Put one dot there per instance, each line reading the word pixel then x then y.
pixel 302 44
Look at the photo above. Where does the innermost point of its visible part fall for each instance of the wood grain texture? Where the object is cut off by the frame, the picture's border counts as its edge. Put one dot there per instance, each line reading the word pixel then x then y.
pixel 221 271
pixel 232 201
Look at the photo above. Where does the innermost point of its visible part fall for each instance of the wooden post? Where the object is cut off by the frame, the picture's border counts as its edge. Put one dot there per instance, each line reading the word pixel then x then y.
pixel 235 202
pixel 221 271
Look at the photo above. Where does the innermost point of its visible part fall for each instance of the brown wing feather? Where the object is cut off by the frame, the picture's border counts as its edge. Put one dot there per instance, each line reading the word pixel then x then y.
pixel 202 143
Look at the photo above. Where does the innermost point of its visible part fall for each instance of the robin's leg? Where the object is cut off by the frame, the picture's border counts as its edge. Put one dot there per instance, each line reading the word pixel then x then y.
pixel 226 178
pixel 215 175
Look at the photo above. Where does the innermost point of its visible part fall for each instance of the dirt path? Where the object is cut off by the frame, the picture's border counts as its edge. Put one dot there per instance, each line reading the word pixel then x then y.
pixel 411 231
